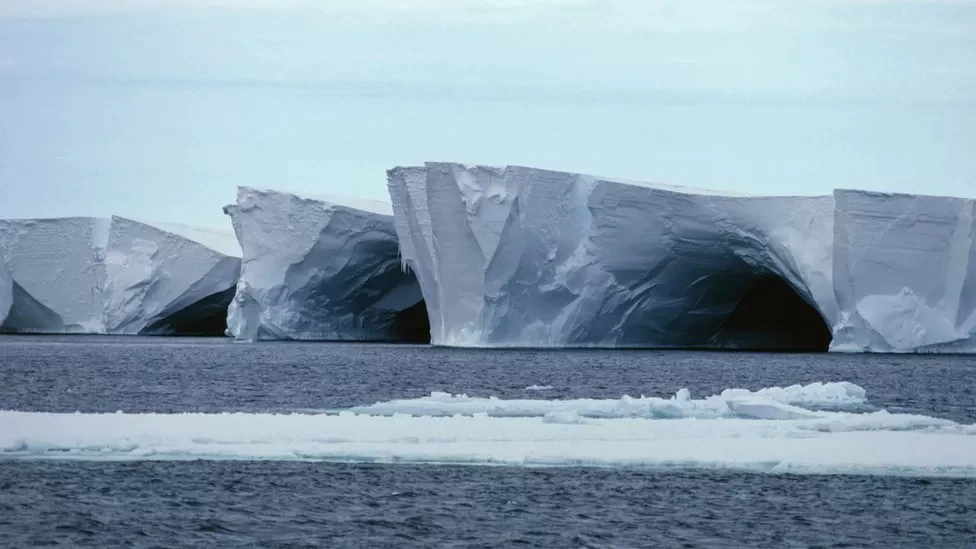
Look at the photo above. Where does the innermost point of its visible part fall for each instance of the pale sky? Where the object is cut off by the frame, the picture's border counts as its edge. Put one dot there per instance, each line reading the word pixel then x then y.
pixel 159 109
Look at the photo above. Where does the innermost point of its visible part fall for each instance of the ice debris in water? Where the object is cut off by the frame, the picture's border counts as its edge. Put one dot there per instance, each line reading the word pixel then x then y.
pixel 767 403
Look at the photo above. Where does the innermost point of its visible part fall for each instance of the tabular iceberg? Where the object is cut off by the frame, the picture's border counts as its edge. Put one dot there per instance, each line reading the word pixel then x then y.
pixel 320 270
pixel 116 276
pixel 905 272
pixel 513 256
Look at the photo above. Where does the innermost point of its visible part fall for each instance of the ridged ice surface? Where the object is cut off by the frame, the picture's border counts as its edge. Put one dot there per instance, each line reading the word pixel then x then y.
pixel 110 275
pixel 513 256
pixel 767 403
pixel 317 270
pixel 772 430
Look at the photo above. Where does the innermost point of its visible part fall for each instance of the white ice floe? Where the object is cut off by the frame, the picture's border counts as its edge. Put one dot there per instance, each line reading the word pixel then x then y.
pixel 768 403
pixel 790 439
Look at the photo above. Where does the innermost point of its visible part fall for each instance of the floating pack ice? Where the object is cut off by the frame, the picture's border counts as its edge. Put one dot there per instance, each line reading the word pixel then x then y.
pixel 768 403
pixel 786 438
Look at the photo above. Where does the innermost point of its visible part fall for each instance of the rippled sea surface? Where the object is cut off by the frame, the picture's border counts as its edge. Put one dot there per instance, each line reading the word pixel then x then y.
pixel 309 504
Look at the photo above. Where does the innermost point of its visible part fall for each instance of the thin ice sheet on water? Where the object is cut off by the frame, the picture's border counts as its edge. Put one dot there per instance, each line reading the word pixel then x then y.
pixel 768 403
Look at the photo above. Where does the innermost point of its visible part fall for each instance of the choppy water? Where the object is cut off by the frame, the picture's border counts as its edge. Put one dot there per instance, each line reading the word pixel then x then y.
pixel 305 504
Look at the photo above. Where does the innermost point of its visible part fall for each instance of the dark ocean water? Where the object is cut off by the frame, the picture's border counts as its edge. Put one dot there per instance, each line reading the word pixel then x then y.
pixel 294 504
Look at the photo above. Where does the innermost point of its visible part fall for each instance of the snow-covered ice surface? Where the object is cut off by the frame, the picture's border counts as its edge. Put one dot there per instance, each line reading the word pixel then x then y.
pixel 514 256
pixel 770 430
pixel 317 270
pixel 111 275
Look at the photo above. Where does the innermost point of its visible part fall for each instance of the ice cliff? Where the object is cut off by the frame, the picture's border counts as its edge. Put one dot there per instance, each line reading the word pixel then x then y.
pixel 115 276
pixel 320 269
pixel 905 272
pixel 6 291
pixel 513 256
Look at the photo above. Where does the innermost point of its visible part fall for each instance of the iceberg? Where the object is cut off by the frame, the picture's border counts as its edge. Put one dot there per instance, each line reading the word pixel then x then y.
pixel 320 269
pixel 513 256
pixel 116 276
pixel 905 271
pixel 521 257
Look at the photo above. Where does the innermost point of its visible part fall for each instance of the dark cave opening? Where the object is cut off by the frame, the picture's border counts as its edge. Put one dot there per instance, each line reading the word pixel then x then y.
pixel 772 316
pixel 28 315
pixel 412 324
pixel 205 318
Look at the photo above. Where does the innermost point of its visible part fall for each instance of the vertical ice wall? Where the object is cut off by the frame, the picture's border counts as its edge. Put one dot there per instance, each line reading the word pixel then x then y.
pixel 319 270
pixel 58 263
pixel 6 290
pixel 904 272
pixel 150 276
pixel 110 275
pixel 516 256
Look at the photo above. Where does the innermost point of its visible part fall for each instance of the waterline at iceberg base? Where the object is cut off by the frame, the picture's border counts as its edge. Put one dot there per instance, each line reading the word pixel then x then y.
pixel 521 257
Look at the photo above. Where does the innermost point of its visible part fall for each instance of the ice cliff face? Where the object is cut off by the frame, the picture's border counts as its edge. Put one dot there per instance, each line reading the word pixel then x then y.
pixel 6 291
pixel 905 272
pixel 115 276
pixel 514 256
pixel 320 270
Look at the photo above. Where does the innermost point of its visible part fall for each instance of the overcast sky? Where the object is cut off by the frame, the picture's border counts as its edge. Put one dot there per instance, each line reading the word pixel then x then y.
pixel 158 109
